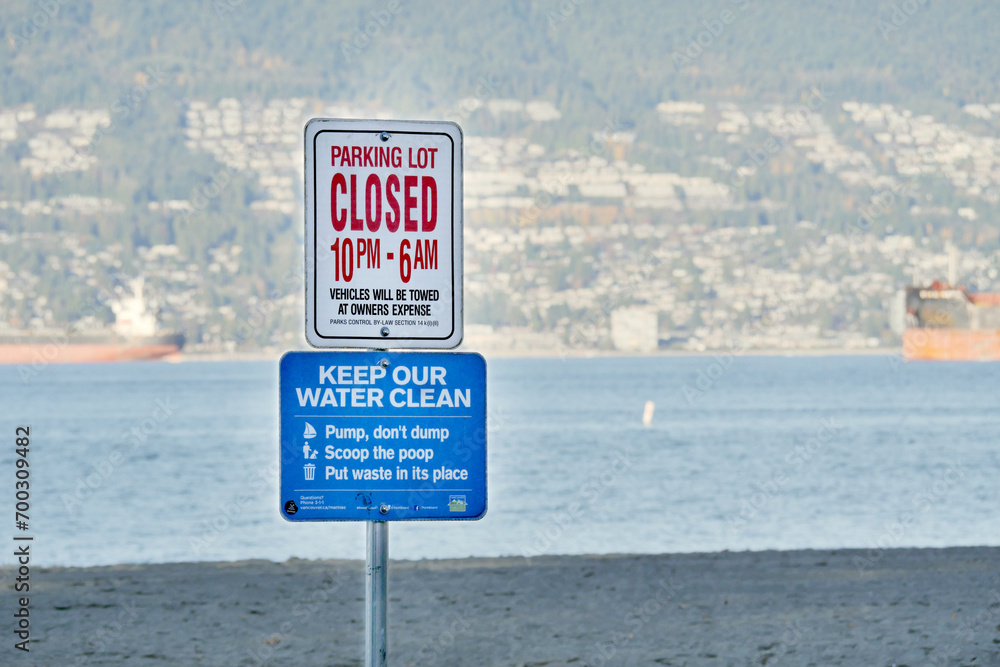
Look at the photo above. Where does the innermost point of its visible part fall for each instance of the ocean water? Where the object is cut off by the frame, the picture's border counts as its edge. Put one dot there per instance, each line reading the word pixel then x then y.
pixel 158 462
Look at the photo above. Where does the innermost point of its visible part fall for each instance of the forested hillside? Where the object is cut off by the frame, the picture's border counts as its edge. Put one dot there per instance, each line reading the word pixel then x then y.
pixel 846 105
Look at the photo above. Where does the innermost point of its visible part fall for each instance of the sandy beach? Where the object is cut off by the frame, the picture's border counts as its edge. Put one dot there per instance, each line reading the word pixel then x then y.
pixel 898 607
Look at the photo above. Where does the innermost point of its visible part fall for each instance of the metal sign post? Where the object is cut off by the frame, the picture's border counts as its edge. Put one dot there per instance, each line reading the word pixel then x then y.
pixel 376 592
pixel 380 436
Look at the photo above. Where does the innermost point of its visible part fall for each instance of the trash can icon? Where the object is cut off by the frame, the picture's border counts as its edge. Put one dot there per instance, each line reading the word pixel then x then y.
pixel 310 471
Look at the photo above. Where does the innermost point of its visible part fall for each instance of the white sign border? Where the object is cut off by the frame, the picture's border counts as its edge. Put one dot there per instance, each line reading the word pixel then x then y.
pixel 313 128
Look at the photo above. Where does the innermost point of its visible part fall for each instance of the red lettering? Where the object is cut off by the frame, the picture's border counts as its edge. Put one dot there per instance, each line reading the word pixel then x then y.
pixel 425 254
pixel 430 202
pixel 362 250
pixel 345 157
pixel 430 253
pixel 432 152
pixel 348 259
pixel 383 156
pixel 355 156
pixel 368 156
pixel 356 222
pixel 337 216
pixel 405 263
pixel 392 184
pixel 374 219
pixel 409 203
pixel 371 251
pixel 397 157
pixel 334 152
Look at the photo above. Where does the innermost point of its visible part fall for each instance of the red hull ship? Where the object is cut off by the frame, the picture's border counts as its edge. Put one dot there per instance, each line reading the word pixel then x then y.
pixel 951 324
pixel 62 348
pixel 132 337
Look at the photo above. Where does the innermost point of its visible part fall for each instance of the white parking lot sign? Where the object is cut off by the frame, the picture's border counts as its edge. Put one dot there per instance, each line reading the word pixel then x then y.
pixel 383 233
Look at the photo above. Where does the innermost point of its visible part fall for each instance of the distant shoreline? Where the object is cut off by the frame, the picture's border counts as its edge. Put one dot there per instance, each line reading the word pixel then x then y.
pixel 574 354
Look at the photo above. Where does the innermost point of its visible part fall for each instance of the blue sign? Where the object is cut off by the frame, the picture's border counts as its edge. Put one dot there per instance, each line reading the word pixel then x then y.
pixel 382 436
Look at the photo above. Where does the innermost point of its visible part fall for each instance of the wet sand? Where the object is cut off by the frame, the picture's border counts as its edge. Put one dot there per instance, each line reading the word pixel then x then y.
pixel 899 607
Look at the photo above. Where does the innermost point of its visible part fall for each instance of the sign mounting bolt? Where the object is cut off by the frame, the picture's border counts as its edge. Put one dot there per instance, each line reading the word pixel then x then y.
pixel 384 332
pixel 384 136
pixel 384 363
pixel 383 508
